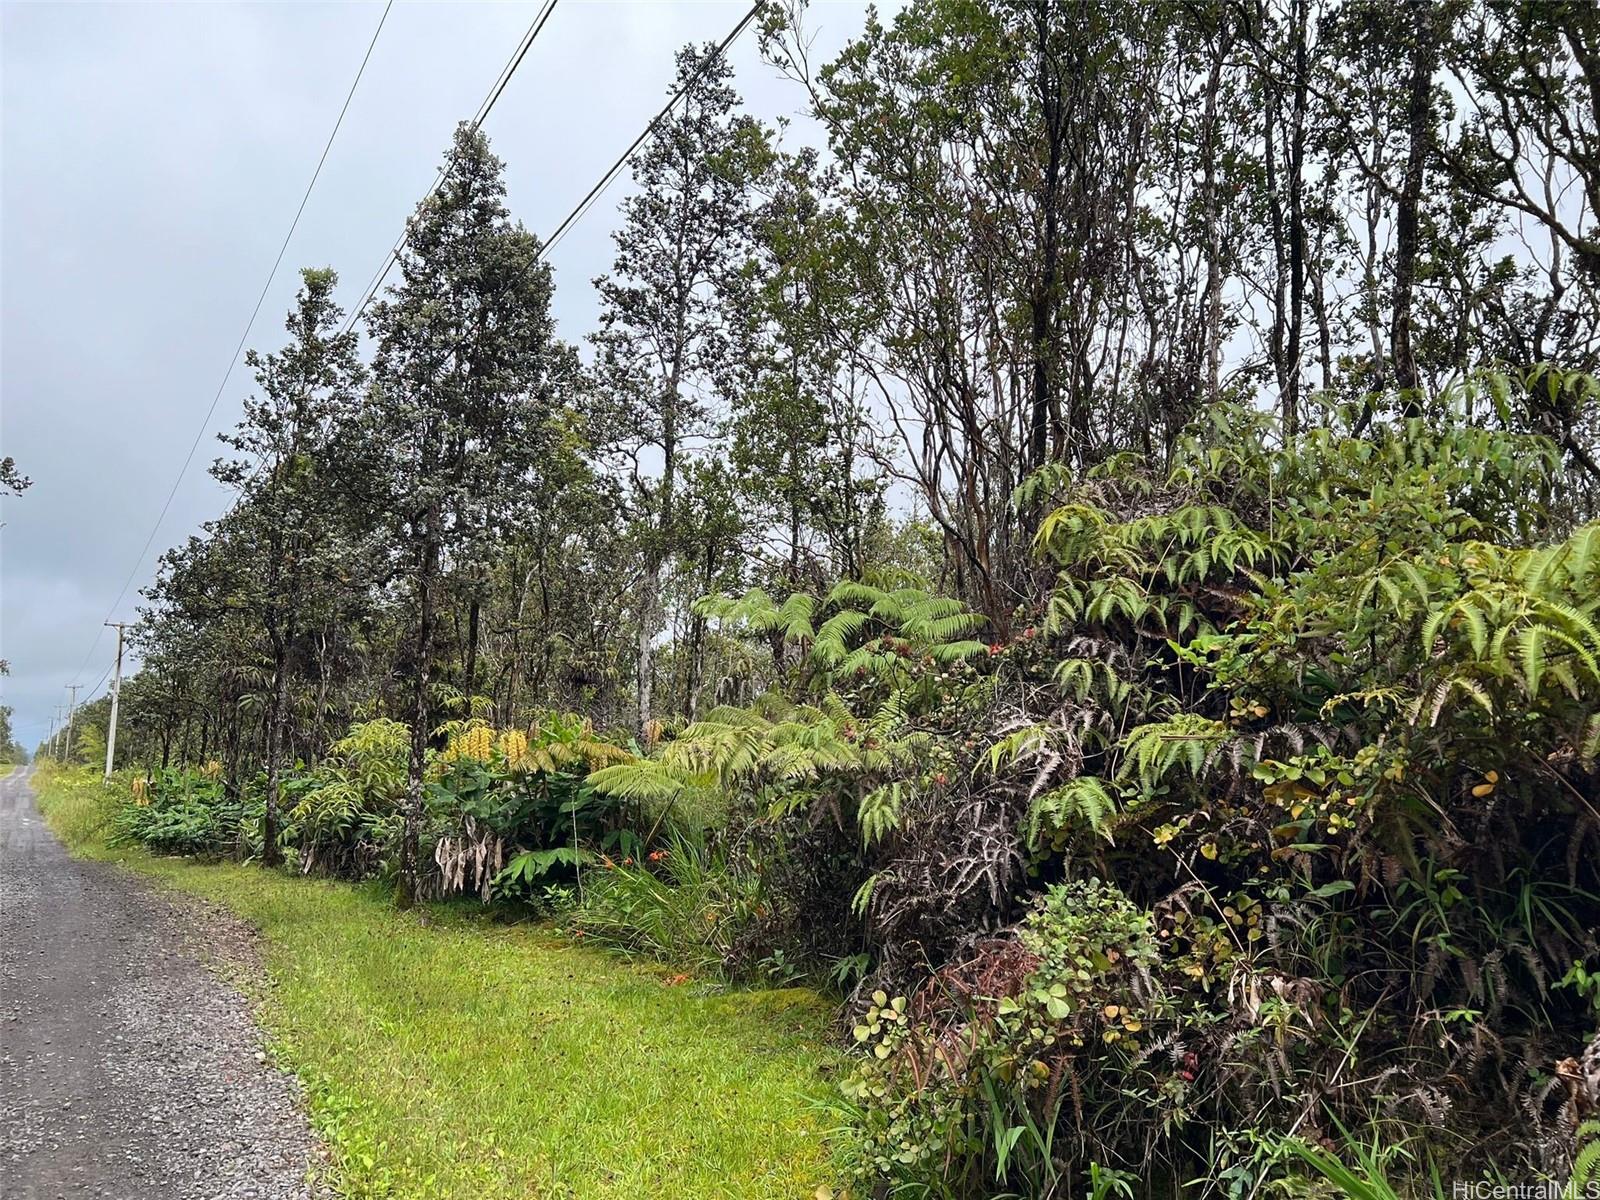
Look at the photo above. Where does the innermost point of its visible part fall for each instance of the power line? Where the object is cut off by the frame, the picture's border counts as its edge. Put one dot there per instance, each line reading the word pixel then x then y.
pixel 596 191
pixel 95 690
pixel 484 109
pixel 244 336
pixel 605 180
pixel 496 90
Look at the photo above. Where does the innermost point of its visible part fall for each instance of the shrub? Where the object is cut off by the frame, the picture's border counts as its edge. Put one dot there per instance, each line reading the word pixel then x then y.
pixel 1328 715
pixel 343 815
pixel 966 1082
pixel 682 905
pixel 511 811
pixel 190 812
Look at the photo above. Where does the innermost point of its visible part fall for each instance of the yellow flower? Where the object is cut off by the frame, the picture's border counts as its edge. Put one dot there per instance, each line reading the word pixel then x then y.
pixel 475 743
pixel 513 746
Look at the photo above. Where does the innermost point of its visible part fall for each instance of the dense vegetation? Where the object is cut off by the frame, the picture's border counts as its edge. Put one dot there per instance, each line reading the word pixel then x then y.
pixel 1098 566
pixel 452 1056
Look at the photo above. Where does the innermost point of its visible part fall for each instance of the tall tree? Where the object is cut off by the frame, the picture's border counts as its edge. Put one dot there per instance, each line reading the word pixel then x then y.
pixel 991 155
pixel 664 348
pixel 12 481
pixel 289 496
pixel 462 377
pixel 800 434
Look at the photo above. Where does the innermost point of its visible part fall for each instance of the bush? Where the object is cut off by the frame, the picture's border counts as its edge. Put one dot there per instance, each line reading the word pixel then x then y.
pixel 190 812
pixel 343 816
pixel 996 1062
pixel 77 804
pixel 681 906
pixel 510 812
pixel 1324 717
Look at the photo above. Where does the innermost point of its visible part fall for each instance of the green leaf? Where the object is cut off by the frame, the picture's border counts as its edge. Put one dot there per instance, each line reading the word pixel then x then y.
pixel 1327 890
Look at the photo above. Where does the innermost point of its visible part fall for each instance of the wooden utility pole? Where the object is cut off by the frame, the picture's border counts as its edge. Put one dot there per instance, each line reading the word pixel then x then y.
pixel 55 732
pixel 116 694
pixel 72 711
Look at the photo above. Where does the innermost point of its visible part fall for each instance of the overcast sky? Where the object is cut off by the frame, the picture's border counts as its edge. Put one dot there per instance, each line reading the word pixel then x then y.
pixel 152 157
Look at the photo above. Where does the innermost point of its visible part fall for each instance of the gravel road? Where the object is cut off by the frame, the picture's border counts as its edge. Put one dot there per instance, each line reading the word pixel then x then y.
pixel 127 1068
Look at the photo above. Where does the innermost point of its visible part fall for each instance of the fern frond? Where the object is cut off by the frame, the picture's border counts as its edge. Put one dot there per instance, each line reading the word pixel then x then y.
pixel 832 642
pixel 879 813
pixel 643 779
pixel 1053 815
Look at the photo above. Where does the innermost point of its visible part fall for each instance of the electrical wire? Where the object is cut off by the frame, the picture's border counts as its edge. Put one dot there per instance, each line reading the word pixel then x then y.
pixel 478 119
pixel 594 192
pixel 233 359
pixel 605 180
pixel 572 218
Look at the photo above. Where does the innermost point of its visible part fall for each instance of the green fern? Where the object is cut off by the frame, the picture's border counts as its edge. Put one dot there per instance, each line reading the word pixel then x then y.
pixel 1056 816
pixel 864 630
pixel 1586 1163
pixel 879 813
pixel 1153 750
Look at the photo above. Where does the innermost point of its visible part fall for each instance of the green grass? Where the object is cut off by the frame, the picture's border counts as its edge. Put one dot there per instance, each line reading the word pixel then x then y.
pixel 449 1056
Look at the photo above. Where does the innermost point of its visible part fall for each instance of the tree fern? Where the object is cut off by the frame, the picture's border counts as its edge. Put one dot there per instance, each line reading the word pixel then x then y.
pixel 862 630
pixel 649 780
pixel 835 634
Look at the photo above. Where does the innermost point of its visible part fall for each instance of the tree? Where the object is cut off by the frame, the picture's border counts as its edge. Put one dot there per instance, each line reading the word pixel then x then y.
pixel 664 348
pixel 12 481
pixel 991 156
pixel 10 750
pixel 800 434
pixel 1528 144
pixel 290 502
pixel 461 381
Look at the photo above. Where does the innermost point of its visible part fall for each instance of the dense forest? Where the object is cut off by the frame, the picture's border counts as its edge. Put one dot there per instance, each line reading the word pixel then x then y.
pixel 1095 564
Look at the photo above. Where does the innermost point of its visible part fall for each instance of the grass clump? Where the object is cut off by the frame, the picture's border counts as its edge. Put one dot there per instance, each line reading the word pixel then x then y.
pixel 683 906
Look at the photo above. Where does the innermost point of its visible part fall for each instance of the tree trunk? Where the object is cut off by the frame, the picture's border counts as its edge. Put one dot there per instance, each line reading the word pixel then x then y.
pixel 649 592
pixel 474 616
pixel 1045 294
pixel 428 569
pixel 1419 127
pixel 275 721
pixel 1297 224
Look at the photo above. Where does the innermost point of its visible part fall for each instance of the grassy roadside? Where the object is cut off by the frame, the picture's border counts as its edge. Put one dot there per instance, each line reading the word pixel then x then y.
pixel 447 1056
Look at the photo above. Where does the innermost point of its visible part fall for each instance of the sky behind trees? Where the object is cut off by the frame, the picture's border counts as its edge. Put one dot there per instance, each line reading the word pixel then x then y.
pixel 152 158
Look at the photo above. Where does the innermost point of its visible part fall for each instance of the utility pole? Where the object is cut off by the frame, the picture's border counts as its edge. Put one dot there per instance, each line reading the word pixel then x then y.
pixel 116 694
pixel 55 732
pixel 72 711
